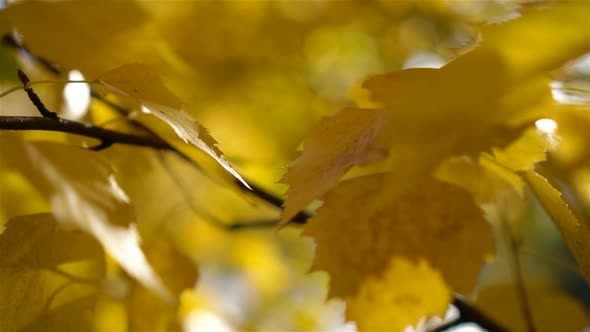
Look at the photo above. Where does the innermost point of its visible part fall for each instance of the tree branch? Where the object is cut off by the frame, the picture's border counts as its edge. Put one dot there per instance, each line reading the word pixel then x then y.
pixel 79 128
pixel 468 313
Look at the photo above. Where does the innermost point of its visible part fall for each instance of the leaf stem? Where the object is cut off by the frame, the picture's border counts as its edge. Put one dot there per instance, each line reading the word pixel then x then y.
pixel 11 90
pixel 59 82
pixel 519 277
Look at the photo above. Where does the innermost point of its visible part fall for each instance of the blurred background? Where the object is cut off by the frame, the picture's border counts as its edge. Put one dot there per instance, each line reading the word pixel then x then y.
pixel 259 75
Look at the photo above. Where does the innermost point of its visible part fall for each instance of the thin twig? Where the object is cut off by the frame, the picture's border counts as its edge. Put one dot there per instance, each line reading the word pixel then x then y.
pixel 518 277
pixel 34 98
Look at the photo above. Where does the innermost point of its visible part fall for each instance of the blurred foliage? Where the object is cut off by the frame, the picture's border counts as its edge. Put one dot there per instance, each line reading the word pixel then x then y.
pixel 424 174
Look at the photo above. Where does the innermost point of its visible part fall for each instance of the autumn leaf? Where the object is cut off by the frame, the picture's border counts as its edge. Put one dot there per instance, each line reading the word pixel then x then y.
pixel 17 196
pixel 576 233
pixel 454 97
pixel 485 185
pixel 558 25
pixel 88 36
pixel 338 142
pixel 433 221
pixel 84 194
pixel 476 88
pixel 519 156
pixel 405 293
pixel 50 275
pixel 526 151
pixel 142 83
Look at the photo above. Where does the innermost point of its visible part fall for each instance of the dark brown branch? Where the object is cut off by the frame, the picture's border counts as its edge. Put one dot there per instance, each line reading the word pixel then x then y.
pixel 78 128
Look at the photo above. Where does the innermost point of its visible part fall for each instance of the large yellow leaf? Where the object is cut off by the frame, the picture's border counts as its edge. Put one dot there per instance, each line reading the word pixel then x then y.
pixel 144 84
pixel 405 293
pixel 576 233
pixel 50 276
pixel 480 100
pixel 83 193
pixel 554 34
pixel 361 227
pixel 551 309
pixel 336 144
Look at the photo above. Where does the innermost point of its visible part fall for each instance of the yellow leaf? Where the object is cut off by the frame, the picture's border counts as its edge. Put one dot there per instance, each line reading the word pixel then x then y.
pixel 576 233
pixel 83 193
pixel 17 196
pixel 85 35
pixel 405 293
pixel 50 276
pixel 492 168
pixel 335 145
pixel 142 83
pixel 433 220
pixel 485 185
pixel 480 100
pixel 522 154
pixel 555 34
pixel 460 115
pixel 551 309
pixel 519 156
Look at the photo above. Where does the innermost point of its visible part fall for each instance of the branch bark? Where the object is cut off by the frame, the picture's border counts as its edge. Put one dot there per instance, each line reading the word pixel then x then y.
pixel 79 128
